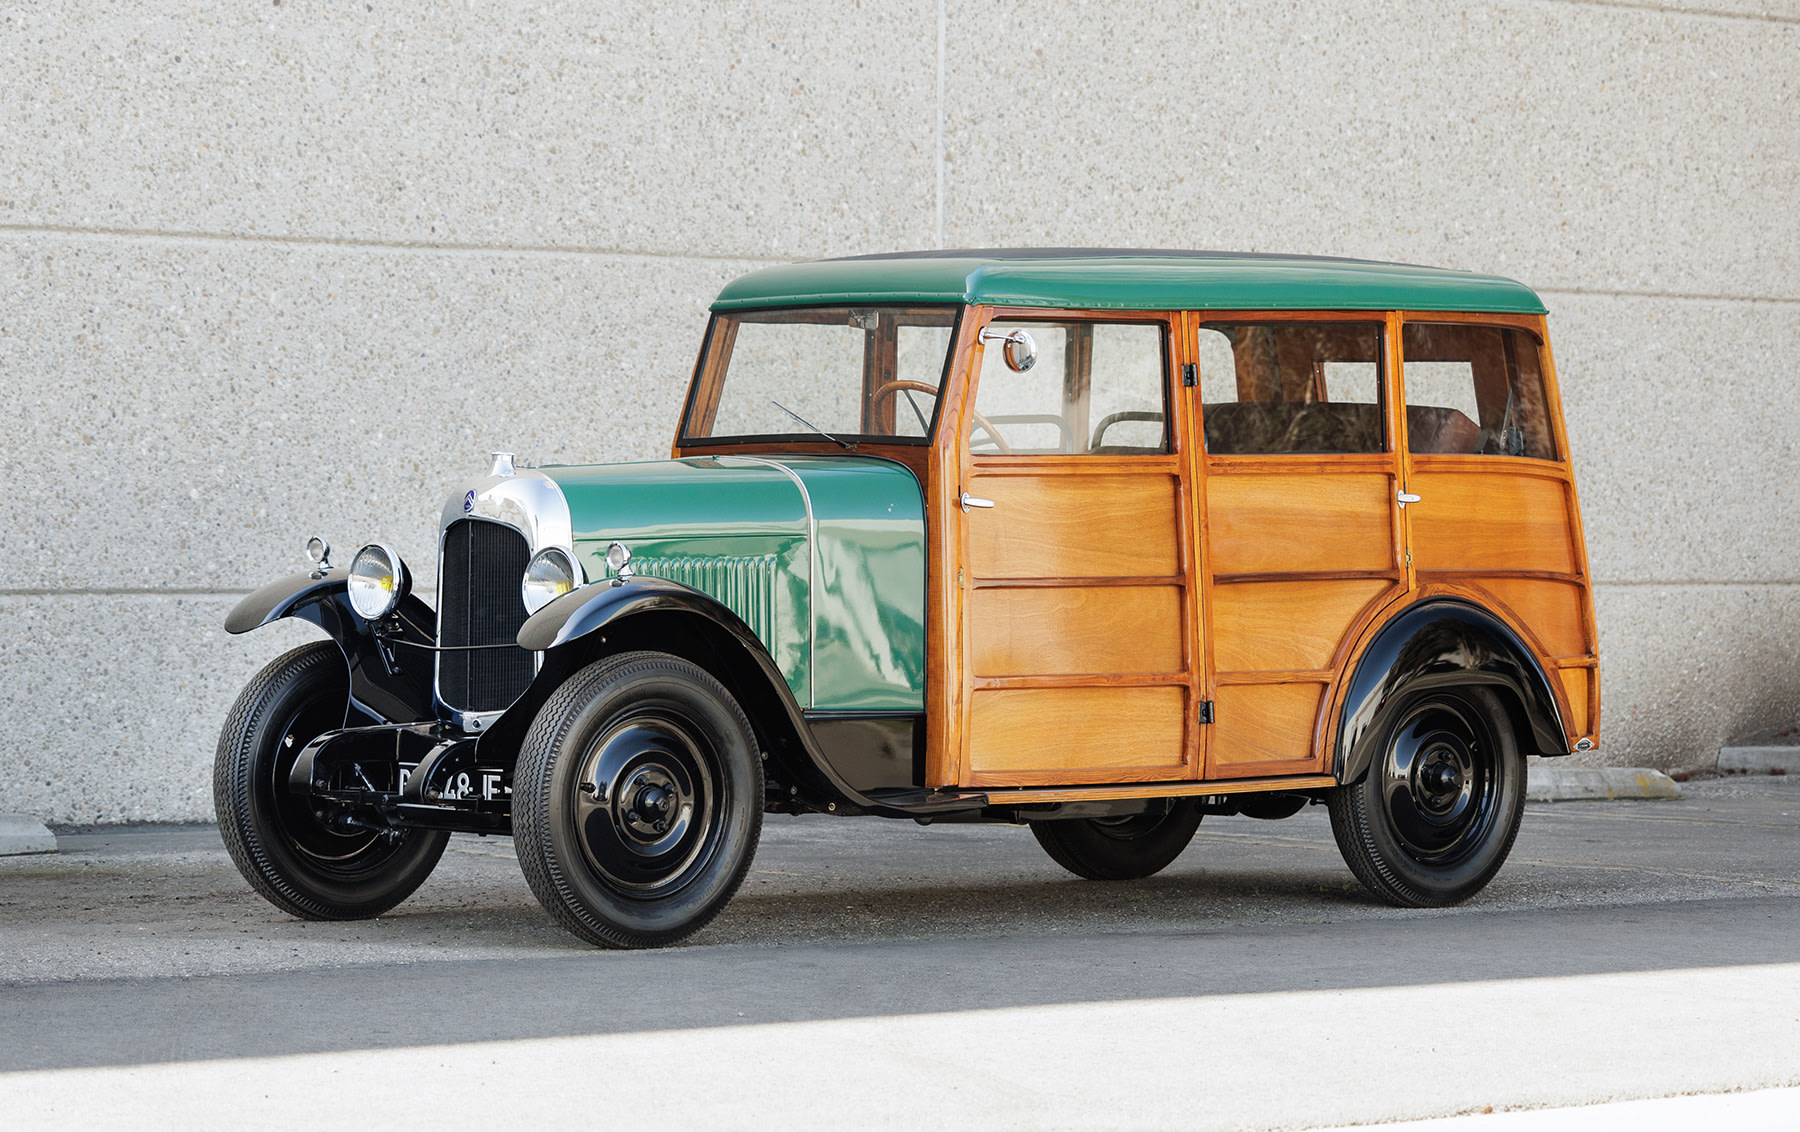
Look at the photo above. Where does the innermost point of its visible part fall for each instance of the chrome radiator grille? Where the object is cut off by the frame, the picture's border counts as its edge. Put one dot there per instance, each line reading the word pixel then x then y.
pixel 479 604
pixel 746 586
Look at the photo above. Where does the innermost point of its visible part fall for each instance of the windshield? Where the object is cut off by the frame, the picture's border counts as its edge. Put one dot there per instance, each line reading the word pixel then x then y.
pixel 847 374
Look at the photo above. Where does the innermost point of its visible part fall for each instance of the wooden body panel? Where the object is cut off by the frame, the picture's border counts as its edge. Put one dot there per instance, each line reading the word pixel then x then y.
pixel 1068 630
pixel 1092 734
pixel 1074 629
pixel 1479 515
pixel 1071 522
pixel 1327 521
pixel 1287 626
pixel 1268 725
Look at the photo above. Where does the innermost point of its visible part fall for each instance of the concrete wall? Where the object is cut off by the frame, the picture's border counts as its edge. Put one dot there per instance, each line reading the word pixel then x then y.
pixel 281 268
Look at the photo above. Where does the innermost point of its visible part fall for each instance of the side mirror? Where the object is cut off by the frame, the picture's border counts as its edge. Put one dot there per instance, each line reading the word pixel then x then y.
pixel 1020 351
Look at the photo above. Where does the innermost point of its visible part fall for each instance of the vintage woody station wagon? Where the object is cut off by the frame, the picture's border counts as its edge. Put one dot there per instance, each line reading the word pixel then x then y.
pixel 1098 542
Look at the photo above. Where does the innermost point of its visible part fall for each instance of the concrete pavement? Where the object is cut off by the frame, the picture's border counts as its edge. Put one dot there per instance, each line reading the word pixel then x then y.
pixel 878 972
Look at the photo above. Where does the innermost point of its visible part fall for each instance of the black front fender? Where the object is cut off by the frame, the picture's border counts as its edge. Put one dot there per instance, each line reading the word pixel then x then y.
pixel 1444 642
pixel 389 681
pixel 592 608
pixel 654 613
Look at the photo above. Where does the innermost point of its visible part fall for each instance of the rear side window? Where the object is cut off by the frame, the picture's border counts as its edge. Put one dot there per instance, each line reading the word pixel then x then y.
pixel 1273 388
pixel 1474 390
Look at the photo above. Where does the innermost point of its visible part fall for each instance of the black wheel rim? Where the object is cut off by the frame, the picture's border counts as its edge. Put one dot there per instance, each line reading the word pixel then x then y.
pixel 1437 780
pixel 344 852
pixel 646 804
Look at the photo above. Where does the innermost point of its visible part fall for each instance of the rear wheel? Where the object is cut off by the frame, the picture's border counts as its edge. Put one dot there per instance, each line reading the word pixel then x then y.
pixel 1435 816
pixel 284 847
pixel 637 802
pixel 1125 848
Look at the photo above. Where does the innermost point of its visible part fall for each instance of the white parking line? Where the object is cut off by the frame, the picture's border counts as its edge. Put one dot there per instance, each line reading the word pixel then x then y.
pixel 1765 1110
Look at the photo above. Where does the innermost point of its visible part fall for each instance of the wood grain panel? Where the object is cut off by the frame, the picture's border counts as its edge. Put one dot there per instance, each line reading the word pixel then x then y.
pixel 1489 521
pixel 1550 610
pixel 1067 729
pixel 1073 526
pixel 1262 725
pixel 1575 683
pixel 1020 632
pixel 1285 625
pixel 1294 523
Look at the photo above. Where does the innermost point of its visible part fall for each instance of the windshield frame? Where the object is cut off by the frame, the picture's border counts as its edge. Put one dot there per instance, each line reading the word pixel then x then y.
pixel 704 376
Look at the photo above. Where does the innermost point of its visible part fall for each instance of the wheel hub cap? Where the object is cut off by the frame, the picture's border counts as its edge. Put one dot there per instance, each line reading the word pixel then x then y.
pixel 644 804
pixel 1437 783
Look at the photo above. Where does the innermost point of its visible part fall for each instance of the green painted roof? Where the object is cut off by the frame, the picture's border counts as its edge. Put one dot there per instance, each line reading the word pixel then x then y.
pixel 1113 279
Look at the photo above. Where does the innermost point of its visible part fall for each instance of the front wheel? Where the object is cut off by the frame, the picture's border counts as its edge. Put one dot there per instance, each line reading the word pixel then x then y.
pixel 284 847
pixel 1435 816
pixel 637 801
pixel 1124 848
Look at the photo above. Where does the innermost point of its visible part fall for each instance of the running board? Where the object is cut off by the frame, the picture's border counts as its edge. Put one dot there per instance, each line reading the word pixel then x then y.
pixel 1037 795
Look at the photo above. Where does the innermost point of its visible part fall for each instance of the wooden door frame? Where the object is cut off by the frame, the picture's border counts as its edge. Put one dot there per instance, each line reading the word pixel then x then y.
pixel 1400 591
pixel 950 679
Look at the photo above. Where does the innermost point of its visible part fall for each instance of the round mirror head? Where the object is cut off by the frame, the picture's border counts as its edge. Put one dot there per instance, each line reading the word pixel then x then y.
pixel 1021 351
pixel 318 552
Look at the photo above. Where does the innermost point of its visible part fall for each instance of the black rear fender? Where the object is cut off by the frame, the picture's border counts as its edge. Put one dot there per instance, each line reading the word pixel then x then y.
pixel 1445 642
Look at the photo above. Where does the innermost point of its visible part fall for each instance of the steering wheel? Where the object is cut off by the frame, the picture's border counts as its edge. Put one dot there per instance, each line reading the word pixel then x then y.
pixel 889 388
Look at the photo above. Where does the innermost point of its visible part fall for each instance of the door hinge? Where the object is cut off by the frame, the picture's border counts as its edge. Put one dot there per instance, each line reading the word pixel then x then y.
pixel 1190 374
pixel 1206 711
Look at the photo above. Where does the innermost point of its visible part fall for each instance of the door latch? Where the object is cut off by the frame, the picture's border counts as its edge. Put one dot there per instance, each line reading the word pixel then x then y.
pixel 1406 497
pixel 969 501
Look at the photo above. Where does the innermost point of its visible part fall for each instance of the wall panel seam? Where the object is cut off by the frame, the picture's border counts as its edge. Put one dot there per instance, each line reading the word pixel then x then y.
pixel 1697 583
pixel 374 245
pixel 1679 296
pixel 554 250
pixel 1678 10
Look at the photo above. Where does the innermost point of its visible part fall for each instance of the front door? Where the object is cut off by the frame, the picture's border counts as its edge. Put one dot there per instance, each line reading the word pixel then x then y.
pixel 1078 643
pixel 1303 548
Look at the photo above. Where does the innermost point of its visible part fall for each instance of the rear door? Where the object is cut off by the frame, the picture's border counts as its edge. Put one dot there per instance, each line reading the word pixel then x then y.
pixel 1080 663
pixel 1301 473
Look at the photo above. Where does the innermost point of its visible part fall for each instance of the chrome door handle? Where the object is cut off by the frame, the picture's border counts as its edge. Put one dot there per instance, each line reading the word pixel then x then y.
pixel 1406 497
pixel 969 501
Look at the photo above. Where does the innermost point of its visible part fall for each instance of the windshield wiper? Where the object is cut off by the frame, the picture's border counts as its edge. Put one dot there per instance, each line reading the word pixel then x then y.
pixel 844 444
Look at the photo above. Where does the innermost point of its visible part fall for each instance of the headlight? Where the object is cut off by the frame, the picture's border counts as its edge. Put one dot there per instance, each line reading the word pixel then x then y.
pixel 378 580
pixel 550 575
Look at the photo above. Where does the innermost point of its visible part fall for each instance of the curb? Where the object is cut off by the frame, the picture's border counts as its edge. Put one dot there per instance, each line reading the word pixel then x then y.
pixel 20 834
pixel 1596 784
pixel 1759 760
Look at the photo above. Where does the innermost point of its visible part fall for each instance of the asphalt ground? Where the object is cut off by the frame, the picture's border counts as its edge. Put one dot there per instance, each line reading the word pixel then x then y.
pixel 1628 949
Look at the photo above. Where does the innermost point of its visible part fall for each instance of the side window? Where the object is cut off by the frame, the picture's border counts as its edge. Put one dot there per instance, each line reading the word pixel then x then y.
pixel 1474 390
pixel 1295 387
pixel 1096 388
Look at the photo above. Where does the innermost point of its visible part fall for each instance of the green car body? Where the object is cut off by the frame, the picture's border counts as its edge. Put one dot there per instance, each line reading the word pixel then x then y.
pixel 822 558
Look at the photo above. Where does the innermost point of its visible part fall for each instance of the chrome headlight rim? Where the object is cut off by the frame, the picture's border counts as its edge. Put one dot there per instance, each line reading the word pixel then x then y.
pixel 369 596
pixel 539 586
